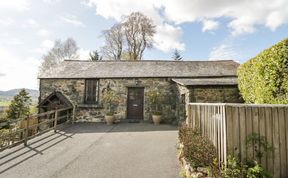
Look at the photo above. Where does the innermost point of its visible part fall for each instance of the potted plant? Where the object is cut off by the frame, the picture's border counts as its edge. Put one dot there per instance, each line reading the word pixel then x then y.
pixel 156 98
pixel 110 99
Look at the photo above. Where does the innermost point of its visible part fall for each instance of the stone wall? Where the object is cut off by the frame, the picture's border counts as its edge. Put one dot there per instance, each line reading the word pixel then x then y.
pixel 74 89
pixel 214 94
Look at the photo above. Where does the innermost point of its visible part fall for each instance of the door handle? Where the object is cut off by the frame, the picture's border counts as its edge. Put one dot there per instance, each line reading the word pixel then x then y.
pixel 135 105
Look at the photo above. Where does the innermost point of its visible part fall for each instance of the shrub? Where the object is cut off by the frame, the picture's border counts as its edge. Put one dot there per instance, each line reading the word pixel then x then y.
pixel 235 168
pixel 110 100
pixel 197 150
pixel 156 99
pixel 264 78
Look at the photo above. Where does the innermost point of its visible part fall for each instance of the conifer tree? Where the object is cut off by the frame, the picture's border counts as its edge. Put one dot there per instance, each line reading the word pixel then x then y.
pixel 176 55
pixel 20 105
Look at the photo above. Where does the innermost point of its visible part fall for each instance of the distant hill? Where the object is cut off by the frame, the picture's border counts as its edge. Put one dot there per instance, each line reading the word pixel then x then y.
pixel 8 95
pixel 13 92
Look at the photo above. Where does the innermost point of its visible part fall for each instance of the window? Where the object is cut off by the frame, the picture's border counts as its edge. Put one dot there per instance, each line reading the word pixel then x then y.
pixel 91 91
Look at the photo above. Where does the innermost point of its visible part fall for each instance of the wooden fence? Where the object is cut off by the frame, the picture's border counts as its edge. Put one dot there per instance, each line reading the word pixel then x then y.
pixel 229 125
pixel 21 130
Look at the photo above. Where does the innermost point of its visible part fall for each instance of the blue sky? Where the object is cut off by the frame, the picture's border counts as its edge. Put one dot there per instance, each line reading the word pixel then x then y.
pixel 201 30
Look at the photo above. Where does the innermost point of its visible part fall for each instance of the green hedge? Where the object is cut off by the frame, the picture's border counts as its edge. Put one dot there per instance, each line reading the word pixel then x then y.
pixel 264 78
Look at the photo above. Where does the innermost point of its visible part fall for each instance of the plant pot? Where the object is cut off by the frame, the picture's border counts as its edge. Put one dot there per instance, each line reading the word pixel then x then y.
pixel 156 119
pixel 109 119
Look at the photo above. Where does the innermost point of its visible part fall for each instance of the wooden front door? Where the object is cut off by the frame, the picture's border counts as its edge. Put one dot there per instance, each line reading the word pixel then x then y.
pixel 135 102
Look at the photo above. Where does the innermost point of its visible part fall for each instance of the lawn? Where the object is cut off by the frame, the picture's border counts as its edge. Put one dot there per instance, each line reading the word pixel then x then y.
pixel 4 103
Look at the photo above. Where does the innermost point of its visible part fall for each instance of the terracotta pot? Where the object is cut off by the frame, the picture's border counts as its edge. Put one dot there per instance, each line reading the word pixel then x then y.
pixel 109 119
pixel 156 119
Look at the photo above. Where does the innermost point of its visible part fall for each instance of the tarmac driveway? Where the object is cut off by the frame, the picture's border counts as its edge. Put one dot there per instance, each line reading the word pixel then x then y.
pixel 125 150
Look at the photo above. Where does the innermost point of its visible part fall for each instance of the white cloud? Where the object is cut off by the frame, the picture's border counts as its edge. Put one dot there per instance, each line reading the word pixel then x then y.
pixel 71 19
pixel 14 41
pixel 6 21
pixel 51 1
pixel 167 38
pixel 44 47
pixel 14 5
pixel 83 54
pixel 47 44
pixel 243 16
pixel 224 52
pixel 209 25
pixel 20 72
pixel 274 20
pixel 43 33
pixel 31 23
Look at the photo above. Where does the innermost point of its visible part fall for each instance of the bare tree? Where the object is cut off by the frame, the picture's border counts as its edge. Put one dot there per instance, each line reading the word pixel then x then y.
pixel 114 40
pixel 61 51
pixel 135 32
pixel 139 31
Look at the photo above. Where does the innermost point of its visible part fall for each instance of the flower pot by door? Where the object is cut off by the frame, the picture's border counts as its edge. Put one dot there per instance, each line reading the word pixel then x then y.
pixel 156 119
pixel 109 119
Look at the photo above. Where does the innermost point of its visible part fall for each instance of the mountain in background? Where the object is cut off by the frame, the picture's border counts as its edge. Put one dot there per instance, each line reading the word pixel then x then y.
pixel 8 95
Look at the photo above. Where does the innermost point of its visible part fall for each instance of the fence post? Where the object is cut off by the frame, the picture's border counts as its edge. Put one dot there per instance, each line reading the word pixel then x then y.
pixel 55 121
pixel 73 114
pixel 26 131
pixel 10 135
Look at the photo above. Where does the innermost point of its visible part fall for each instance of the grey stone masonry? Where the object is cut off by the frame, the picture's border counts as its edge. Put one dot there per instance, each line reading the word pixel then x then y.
pixel 74 90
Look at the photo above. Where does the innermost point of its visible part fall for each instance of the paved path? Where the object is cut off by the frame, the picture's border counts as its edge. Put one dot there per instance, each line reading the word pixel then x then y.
pixel 125 150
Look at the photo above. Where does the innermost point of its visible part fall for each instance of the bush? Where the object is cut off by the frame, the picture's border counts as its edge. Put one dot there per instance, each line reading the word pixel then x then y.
pixel 197 150
pixel 235 168
pixel 264 78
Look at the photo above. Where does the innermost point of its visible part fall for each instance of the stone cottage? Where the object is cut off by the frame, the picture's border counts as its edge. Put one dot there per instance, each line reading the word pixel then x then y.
pixel 82 83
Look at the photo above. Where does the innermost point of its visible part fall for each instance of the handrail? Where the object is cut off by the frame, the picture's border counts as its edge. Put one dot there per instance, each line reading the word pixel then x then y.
pixel 19 135
pixel 239 104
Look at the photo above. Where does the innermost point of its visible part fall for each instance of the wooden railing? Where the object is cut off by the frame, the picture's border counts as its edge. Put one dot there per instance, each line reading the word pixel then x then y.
pixel 229 125
pixel 21 130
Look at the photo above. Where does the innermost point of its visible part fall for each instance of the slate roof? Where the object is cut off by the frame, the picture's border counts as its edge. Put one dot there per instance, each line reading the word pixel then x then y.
pixel 145 68
pixel 206 81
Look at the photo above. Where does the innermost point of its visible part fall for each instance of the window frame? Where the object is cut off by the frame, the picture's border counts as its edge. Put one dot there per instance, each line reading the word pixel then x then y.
pixel 90 100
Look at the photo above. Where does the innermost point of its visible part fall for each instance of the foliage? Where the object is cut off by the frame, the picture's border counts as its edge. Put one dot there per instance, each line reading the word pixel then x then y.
pixel 3 116
pixel 251 168
pixel 257 171
pixel 94 56
pixel 61 51
pixel 5 103
pixel 197 150
pixel 111 100
pixel 20 106
pixel 235 168
pixel 134 33
pixel 33 109
pixel 259 144
pixel 264 78
pixel 176 55
pixel 156 98
pixel 3 139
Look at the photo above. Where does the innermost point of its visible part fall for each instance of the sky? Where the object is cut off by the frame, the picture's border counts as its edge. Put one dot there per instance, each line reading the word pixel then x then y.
pixel 199 29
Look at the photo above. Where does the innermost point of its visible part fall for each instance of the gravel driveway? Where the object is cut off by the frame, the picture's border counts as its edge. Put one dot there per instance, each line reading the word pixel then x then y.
pixel 125 150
